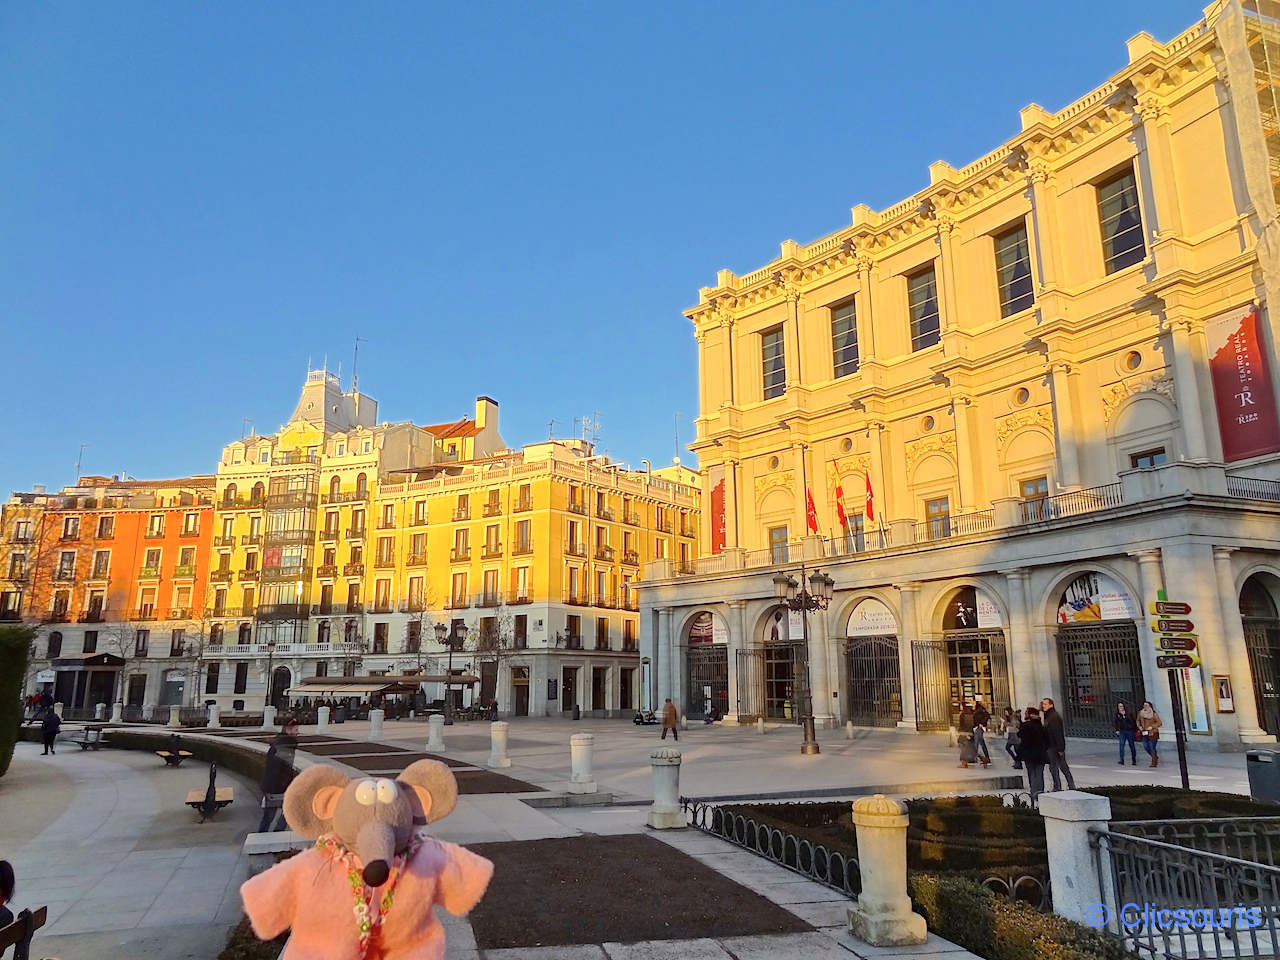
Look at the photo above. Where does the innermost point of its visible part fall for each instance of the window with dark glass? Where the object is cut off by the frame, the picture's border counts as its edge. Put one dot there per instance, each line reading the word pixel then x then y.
pixel 778 544
pixel 379 638
pixel 938 515
pixel 242 678
pixel 1147 458
pixel 1120 218
pixel 922 301
pixel 55 645
pixel 1013 270
pixel 211 679
pixel 140 641
pixel 844 340
pixel 1035 495
pixel 90 641
pixel 775 363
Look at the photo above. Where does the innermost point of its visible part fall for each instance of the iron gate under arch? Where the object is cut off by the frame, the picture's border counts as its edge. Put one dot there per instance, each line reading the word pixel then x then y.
pixel 1101 665
pixel 708 687
pixel 874 681
pixel 953 670
pixel 770 678
pixel 1262 640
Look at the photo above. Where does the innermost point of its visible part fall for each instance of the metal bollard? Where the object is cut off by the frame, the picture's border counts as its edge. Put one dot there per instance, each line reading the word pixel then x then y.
pixel 665 814
pixel 435 732
pixel 581 748
pixel 498 744
pixel 375 724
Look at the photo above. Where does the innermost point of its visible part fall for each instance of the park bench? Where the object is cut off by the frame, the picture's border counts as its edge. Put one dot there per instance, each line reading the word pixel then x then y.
pixel 89 739
pixel 222 796
pixel 19 933
pixel 174 758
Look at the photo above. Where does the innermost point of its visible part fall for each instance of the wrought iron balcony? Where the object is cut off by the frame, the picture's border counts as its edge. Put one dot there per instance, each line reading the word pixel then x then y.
pixel 418 521
pixel 631 558
pixel 353 570
pixel 629 646
pixel 282 611
pixel 179 613
pixel 490 550
pixel 229 613
pixel 492 510
pixel 189 532
pixel 577 507
pixel 285 459
pixel 577 598
pixel 604 513
pixel 21 538
pixel 286 573
pixel 224 541
pixel 356 533
pixel 607 600
pixel 349 496
pixel 100 573
pixel 413 606
pixel 249 576
pixel 327 571
pixel 575 549
pixel 384 563
pixel 295 498
pixel 146 613
pixel 10 616
pixel 522 506
pixel 457 603
pixel 572 641
pixel 58 615
pixel 462 513
pixel 665 525
pixel 105 533
pixel 93 615
pixel 250 539
pixel 64 576
pixel 631 603
pixel 522 548
pixel 149 573
pixel 19 576
pixel 241 503
pixel 73 535
pixel 489 600
pixel 220 576
pixel 605 552
pixel 154 534
pixel 460 554
pixel 385 524
pixel 519 599
pixel 329 534
pixel 416 560
pixel 382 606
pixel 184 571
pixel 337 609
pixel 630 517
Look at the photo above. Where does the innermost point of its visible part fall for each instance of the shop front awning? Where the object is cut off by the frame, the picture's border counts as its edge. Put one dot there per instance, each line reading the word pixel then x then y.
pixel 365 686
pixel 89 661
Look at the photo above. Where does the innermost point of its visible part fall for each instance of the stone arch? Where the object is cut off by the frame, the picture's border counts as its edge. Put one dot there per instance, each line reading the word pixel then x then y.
pixel 934 469
pixel 1047 606
pixel 766 620
pixel 280 681
pixel 1143 412
pixel 839 626
pixel 945 593
pixel 335 487
pixel 1255 567
pixel 1028 445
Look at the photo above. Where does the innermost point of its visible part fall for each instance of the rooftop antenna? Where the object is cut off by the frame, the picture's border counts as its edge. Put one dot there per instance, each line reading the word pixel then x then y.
pixel 677 420
pixel 245 424
pixel 79 458
pixel 551 428
pixel 355 357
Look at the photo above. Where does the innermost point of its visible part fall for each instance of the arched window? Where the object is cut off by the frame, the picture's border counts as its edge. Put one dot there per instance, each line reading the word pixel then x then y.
pixel 229 494
pixel 334 486
pixel 55 644
pixel 362 484
pixel 259 492
pixel 246 631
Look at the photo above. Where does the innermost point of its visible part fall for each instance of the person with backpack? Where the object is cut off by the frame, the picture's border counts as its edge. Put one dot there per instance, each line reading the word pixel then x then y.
pixel 49 728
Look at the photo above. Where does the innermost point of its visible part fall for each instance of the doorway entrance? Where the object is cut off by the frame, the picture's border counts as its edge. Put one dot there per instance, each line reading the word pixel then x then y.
pixel 1101 665
pixel 520 691
pixel 873 680
pixel 708 689
pixel 568 688
pixel 627 679
pixel 1261 624
pixel 137 690
pixel 279 684
pixel 962 666
pixel 599 684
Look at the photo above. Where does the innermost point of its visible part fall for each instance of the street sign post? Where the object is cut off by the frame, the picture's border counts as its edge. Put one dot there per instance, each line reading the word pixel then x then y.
pixel 1173 663
pixel 1177 661
pixel 1168 608
pixel 1183 644
pixel 1172 626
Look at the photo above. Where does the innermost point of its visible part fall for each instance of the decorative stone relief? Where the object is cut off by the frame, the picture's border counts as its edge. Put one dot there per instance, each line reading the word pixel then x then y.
pixel 855 465
pixel 1116 394
pixel 917 450
pixel 1007 427
pixel 769 481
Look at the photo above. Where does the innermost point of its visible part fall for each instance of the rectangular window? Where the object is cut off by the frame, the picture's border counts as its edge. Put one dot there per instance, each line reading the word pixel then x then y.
pixel 386 550
pixel 659 549
pixel 242 678
pixel 70 528
pixel 211 679
pixel 155 525
pixel 490 587
pixel 922 299
pixel 774 362
pixel 417 593
pixel 106 527
pixel 1147 458
pixel 379 638
pixel 521 631
pixel 141 640
pixel 420 511
pixel 66 565
pixel 522 583
pixel 190 524
pixel 382 595
pixel 177 642
pixel 413 637
pixel 1121 221
pixel 778 544
pixel 459 590
pixel 1035 493
pixel 525 500
pixel 602 633
pixel 388 515
pixel 938 517
pixel 523 539
pixel 1013 270
pixel 844 340
pixel 101 564
pixel 152 557
pixel 91 641
pixel 322 666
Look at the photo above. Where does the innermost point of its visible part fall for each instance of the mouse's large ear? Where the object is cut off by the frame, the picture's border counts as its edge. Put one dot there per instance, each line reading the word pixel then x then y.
pixel 435 786
pixel 312 798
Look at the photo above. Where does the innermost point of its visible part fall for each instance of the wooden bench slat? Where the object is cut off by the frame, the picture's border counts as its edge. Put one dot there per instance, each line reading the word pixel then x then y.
pixel 221 795
pixel 24 924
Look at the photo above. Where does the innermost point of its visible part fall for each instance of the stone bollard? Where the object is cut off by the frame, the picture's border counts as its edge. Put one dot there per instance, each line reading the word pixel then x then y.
pixel 148 711
pixel 759 724
pixel 215 716
pixel 322 719
pixel 664 766
pixel 848 730
pixel 581 747
pixel 375 724
pixel 99 711
pixel 175 716
pixel 1068 815
pixel 117 712
pixel 435 732
pixel 882 915
pixel 57 708
pixel 498 744
pixel 268 717
pixel 684 722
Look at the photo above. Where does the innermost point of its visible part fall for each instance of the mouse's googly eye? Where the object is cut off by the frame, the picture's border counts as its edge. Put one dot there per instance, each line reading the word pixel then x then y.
pixel 366 793
pixel 386 791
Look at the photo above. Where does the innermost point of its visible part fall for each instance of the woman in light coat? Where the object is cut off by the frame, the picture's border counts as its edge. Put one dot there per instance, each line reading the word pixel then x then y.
pixel 1149 727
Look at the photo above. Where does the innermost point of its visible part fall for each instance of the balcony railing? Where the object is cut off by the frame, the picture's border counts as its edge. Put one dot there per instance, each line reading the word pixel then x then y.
pixel 337 609
pixel 1251 488
pixel 418 521
pixel 286 573
pixel 459 554
pixel 522 506
pixel 295 536
pixel 22 538
pixel 351 496
pixel 489 600
pixel 105 533
pixel 457 603
pixel 286 459
pixel 64 576
pixel 11 616
pixel 573 642
pixel 385 524
pixel 189 532
pixel 631 602
pixel 224 541
pixel 241 503
pixel 605 552
pixel 382 606
pixel 282 611
pixel 607 600
pixel 384 563
pixel 491 510
pixel 580 508
pixel 72 535
pixel 519 599
pixel 356 533
pixel 296 498
pixel 146 613
pixel 184 570
pixel 413 606
pixel 665 525
pixel 629 645
pixel 575 549
pixel 153 534
pixel 632 518
pixel 329 534
pixel 577 598
pixel 100 573
pixel 416 560
pixel 1042 509
pixel 220 576
pixel 522 549
pixel 149 573
pixel 353 570
pixel 490 550
pixel 229 613
pixel 327 571
pixel 604 513
pixel 602 643
pixel 631 558
pixel 93 615
pixel 249 576
pixel 179 613
pixel 22 576
pixel 58 615
pixel 462 513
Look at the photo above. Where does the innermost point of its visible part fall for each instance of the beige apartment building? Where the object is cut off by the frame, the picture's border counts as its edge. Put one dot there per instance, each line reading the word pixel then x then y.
pixel 1040 390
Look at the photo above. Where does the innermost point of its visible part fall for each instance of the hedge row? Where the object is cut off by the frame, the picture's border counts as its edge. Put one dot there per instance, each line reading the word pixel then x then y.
pixel 15 648
pixel 223 751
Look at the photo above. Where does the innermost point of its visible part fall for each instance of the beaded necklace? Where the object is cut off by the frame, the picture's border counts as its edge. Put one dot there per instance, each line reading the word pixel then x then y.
pixel 368 916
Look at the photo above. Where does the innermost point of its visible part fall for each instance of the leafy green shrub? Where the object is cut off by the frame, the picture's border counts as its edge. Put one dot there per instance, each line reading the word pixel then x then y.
pixel 1146 802
pixel 15 649
pixel 997 928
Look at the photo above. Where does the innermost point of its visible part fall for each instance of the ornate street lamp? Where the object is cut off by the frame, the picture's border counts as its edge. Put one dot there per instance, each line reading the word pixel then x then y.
pixel 798 595
pixel 442 630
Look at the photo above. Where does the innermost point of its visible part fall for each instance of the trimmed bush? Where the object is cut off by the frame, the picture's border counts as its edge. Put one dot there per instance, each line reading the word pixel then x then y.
pixel 997 928
pixel 1146 802
pixel 15 649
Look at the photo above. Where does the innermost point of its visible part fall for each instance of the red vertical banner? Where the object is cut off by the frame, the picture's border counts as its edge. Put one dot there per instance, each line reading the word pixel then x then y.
pixel 716 480
pixel 1242 390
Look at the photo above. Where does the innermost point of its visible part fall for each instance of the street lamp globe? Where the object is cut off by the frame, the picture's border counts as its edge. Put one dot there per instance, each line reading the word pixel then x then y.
pixel 440 629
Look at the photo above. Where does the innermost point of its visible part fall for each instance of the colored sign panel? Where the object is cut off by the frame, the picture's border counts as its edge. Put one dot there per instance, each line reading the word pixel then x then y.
pixel 1193 700
pixel 1170 608
pixel 871 618
pixel 1242 385
pixel 1172 661
pixel 1094 596
pixel 1177 643
pixel 1172 626
pixel 718 520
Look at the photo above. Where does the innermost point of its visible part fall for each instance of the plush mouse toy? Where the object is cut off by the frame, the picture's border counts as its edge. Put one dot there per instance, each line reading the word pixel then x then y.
pixel 366 890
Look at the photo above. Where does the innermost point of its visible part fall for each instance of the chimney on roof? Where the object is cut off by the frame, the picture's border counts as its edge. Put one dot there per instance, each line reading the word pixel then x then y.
pixel 486 413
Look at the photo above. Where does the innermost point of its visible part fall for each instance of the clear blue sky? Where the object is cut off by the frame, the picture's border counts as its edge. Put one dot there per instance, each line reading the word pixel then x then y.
pixel 516 200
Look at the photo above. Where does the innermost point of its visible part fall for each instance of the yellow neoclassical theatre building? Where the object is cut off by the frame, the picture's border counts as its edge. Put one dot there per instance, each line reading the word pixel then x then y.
pixel 1045 386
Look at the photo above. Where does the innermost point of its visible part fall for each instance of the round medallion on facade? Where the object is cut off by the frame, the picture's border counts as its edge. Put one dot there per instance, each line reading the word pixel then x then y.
pixel 846 444
pixel 1021 396
pixel 1133 360
pixel 773 463
pixel 927 424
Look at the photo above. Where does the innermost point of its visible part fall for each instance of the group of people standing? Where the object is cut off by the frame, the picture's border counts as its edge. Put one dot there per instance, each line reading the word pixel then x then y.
pixel 1035 738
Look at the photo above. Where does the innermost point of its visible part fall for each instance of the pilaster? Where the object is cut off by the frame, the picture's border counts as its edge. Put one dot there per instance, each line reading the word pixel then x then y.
pixel 1246 703
pixel 909 631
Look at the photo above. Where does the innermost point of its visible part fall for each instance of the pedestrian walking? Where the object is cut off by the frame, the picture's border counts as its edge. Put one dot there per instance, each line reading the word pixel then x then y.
pixel 1149 725
pixel 1126 729
pixel 981 717
pixel 1056 736
pixel 1033 747
pixel 278 775
pixel 49 728
pixel 670 720
pixel 1012 723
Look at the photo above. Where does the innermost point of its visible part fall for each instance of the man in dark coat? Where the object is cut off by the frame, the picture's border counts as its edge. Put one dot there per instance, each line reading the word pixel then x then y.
pixel 49 728
pixel 278 775
pixel 1033 740
pixel 1056 735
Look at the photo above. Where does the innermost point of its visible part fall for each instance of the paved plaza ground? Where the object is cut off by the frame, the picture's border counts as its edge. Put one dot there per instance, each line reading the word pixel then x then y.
pixel 104 840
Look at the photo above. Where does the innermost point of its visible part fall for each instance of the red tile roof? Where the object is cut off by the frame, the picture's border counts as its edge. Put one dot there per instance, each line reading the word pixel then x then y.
pixel 457 429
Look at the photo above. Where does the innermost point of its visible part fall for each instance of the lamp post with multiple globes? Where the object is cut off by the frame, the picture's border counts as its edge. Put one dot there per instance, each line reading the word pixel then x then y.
pixel 805 595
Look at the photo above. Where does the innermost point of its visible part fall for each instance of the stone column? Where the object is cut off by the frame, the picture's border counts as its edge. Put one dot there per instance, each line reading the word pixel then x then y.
pixel 1068 817
pixel 268 717
pixel 1242 692
pixel 665 813
pixel 148 711
pixel 864 317
pixel 970 495
pixel 947 275
pixel 819 669
pixel 498 745
pixel 1164 216
pixel 737 640
pixel 1023 679
pixel 1064 424
pixel 1150 581
pixel 1186 388
pixel 117 712
pixel 322 719
pixel 175 716
pixel 435 732
pixel 215 716
pixel 1044 221
pixel 882 915
pixel 907 634
pixel 664 656
pixel 375 724
pixel 581 748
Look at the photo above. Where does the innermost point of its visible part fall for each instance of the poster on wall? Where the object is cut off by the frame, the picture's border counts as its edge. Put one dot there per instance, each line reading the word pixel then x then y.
pixel 1094 596
pixel 1242 385
pixel 784 625
pixel 715 478
pixel 971 609
pixel 1193 699
pixel 719 630
pixel 871 618
pixel 708 628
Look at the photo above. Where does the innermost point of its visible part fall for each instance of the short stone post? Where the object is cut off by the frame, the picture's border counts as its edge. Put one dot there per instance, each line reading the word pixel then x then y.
pixel 848 730
pixel 581 748
pixel 375 724
pixel 215 716
pixel 117 712
pixel 684 722
pixel 882 915
pixel 268 717
pixel 664 766
pixel 175 716
pixel 148 711
pixel 1073 874
pixel 57 708
pixel 760 725
pixel 435 732
pixel 322 719
pixel 498 744
pixel 99 711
